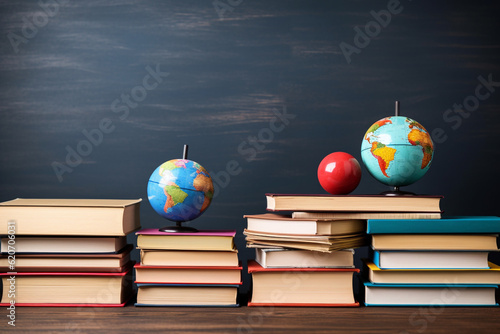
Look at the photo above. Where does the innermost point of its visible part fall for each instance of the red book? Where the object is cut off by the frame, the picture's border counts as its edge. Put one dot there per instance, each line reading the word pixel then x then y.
pixel 314 287
pixel 66 289
pixel 188 274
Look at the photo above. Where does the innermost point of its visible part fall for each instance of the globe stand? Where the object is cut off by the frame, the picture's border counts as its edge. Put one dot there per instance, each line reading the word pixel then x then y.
pixel 178 229
pixel 397 192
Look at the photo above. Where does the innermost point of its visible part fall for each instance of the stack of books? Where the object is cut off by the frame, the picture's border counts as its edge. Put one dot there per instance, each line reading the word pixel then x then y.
pixel 187 269
pixel 305 258
pixel 432 262
pixel 67 252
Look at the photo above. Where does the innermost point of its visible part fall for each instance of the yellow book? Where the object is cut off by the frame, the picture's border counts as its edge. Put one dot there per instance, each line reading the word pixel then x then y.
pixel 433 276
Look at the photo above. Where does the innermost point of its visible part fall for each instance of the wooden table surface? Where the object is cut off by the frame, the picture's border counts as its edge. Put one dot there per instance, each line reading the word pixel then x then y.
pixel 130 319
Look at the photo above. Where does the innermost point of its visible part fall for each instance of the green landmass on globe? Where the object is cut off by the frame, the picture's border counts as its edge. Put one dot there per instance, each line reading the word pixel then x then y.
pixel 397 150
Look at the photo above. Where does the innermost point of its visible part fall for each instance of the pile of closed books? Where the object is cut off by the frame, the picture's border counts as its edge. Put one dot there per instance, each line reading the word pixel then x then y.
pixel 432 262
pixel 67 252
pixel 187 269
pixel 306 258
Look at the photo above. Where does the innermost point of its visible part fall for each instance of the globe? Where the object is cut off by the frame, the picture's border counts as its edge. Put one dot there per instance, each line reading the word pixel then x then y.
pixel 397 150
pixel 180 190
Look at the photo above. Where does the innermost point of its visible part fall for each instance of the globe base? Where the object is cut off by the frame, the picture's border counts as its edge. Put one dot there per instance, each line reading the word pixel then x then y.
pixel 397 192
pixel 178 229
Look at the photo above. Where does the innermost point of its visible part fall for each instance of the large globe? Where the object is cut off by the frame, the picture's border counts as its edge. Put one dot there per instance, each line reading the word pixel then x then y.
pixel 180 190
pixel 397 150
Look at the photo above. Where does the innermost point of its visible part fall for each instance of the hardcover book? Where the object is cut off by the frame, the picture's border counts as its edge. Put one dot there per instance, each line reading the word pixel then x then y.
pixel 67 245
pixel 195 295
pixel 365 215
pixel 489 275
pixel 430 259
pixel 68 289
pixel 433 295
pixel 213 240
pixel 82 217
pixel 189 258
pixel 352 203
pixel 184 274
pixel 471 242
pixel 273 223
pixel 320 287
pixel 445 225
pixel 296 258
pixel 115 262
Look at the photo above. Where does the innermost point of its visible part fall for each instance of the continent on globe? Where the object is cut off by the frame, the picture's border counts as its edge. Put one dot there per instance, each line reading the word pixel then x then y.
pixel 418 136
pixel 174 194
pixel 384 155
pixel 377 125
pixel 204 183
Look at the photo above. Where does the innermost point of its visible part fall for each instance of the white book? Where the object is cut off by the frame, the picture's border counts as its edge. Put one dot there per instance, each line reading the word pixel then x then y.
pixel 296 258
pixel 430 260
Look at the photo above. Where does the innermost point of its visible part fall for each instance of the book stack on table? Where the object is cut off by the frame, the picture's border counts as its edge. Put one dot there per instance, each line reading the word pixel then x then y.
pixel 305 258
pixel 432 262
pixel 187 269
pixel 67 252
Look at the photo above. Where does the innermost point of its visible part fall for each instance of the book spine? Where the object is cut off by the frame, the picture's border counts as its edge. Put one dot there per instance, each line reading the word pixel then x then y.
pixel 376 258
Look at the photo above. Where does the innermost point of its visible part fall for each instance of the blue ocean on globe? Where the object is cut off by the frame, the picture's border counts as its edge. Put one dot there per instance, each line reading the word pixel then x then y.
pixel 397 150
pixel 180 190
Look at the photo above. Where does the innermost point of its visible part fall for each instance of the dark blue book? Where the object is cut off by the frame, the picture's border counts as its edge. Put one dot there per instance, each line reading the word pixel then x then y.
pixel 447 225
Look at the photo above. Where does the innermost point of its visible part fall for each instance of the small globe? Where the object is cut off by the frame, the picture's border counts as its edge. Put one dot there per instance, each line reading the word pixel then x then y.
pixel 397 150
pixel 180 190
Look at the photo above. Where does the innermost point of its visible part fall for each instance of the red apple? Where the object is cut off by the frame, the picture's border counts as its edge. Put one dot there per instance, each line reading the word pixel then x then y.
pixel 339 173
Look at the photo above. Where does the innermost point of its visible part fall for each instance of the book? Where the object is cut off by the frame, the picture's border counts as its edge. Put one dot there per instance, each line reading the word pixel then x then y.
pixel 296 258
pixel 183 274
pixel 429 295
pixel 189 258
pixel 199 295
pixel 324 287
pixel 214 240
pixel 322 243
pixel 67 289
pixel 46 245
pixel 445 225
pixel 430 259
pixel 365 215
pixel 273 223
pixel 82 217
pixel 434 242
pixel 114 262
pixel 489 275
pixel 350 203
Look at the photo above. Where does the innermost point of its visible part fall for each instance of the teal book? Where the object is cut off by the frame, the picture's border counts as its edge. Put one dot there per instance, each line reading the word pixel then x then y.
pixel 446 225
pixel 435 295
